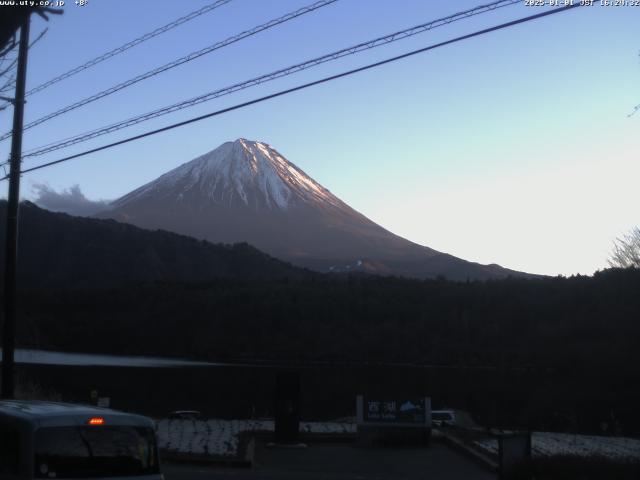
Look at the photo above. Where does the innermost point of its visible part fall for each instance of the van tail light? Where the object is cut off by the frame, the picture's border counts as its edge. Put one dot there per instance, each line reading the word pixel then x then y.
pixel 96 421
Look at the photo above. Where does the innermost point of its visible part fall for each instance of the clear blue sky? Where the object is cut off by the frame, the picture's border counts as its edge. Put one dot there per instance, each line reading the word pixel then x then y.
pixel 513 148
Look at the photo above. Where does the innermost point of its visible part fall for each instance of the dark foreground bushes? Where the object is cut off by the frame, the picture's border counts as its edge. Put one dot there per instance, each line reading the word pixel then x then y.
pixel 568 467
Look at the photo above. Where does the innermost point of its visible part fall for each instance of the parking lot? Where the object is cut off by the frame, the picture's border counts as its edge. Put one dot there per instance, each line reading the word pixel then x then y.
pixel 341 461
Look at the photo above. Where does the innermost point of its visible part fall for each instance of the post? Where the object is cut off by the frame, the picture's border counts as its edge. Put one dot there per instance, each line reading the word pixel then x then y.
pixel 13 202
pixel 287 408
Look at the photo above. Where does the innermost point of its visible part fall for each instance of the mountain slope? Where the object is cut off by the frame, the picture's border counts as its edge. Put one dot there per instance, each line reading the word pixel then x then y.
pixel 246 191
pixel 58 250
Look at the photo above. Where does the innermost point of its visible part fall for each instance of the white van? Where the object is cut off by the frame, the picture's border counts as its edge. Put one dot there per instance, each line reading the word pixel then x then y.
pixel 52 440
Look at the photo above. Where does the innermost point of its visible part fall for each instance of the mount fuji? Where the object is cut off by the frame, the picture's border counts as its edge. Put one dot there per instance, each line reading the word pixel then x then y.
pixel 245 191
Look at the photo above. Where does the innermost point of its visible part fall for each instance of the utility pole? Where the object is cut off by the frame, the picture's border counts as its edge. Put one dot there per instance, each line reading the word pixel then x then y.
pixel 13 203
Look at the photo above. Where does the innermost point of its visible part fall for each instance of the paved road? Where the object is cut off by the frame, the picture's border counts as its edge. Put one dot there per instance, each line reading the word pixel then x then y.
pixel 342 462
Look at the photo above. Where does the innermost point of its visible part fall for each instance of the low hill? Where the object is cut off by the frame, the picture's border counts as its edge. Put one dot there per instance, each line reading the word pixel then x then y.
pixel 58 250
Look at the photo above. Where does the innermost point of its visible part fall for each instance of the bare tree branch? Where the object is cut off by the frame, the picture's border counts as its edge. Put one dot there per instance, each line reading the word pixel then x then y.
pixel 626 251
pixel 9 83
pixel 7 69
pixel 10 46
pixel 42 34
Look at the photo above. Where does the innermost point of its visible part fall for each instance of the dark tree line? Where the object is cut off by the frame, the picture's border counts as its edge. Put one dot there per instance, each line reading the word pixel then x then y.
pixel 530 348
pixel 575 322
pixel 100 286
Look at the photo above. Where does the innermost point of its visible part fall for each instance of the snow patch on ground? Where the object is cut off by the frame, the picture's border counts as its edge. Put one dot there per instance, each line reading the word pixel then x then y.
pixel 221 438
pixel 547 444
pixel 46 357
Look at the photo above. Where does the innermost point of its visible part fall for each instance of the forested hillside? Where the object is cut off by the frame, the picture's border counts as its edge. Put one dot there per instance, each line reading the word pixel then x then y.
pixel 570 322
pixel 61 251
pixel 552 343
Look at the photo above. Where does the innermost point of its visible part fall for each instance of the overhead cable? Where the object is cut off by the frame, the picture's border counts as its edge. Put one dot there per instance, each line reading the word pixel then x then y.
pixel 122 48
pixel 176 63
pixel 83 137
pixel 304 86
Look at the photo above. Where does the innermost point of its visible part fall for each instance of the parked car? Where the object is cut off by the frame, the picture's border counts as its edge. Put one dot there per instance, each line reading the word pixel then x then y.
pixel 441 418
pixel 186 415
pixel 60 440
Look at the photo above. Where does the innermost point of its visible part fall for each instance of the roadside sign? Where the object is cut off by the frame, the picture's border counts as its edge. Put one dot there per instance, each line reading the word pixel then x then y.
pixel 393 420
pixel 394 411
pixel 397 411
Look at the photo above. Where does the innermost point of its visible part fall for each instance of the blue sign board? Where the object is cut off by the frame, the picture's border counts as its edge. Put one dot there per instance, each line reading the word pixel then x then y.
pixel 394 410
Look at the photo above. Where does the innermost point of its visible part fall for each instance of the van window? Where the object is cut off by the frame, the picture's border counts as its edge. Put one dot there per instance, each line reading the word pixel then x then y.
pixel 9 450
pixel 95 451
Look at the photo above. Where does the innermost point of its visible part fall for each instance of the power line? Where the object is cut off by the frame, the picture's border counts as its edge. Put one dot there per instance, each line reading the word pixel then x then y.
pixel 128 45
pixel 302 87
pixel 178 62
pixel 9 84
pixel 83 137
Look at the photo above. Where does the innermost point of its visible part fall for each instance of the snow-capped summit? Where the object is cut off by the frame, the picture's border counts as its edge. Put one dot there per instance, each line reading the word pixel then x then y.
pixel 241 173
pixel 245 191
